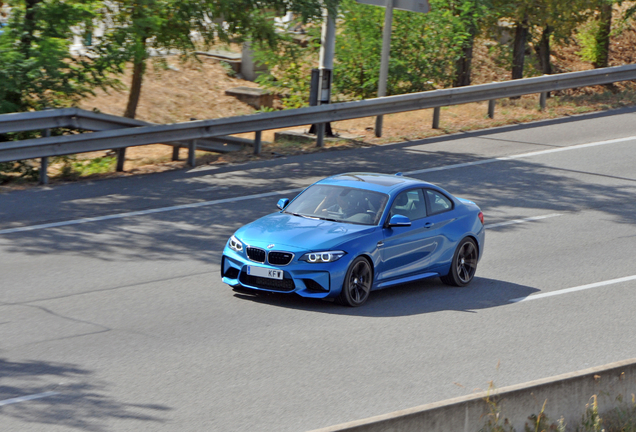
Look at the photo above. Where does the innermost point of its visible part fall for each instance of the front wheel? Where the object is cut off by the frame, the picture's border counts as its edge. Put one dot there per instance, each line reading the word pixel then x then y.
pixel 464 264
pixel 357 283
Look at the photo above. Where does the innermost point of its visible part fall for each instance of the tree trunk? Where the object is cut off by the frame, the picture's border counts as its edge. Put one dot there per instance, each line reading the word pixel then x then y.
pixel 133 100
pixel 519 48
pixel 543 51
pixel 29 27
pixel 603 35
pixel 462 65
pixel 135 88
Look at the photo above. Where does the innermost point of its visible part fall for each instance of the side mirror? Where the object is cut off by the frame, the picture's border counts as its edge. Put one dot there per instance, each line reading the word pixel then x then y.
pixel 282 203
pixel 399 221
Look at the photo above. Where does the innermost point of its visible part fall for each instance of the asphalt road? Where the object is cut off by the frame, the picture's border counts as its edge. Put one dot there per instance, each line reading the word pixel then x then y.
pixel 113 315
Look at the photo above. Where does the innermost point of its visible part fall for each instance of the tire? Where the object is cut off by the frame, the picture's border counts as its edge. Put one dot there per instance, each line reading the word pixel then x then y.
pixel 464 264
pixel 357 283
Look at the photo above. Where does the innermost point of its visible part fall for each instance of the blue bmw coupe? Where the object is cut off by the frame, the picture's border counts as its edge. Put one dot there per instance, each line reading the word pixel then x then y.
pixel 350 234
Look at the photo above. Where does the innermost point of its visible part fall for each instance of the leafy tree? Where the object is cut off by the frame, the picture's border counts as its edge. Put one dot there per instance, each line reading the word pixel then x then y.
pixel 134 27
pixel 424 48
pixel 469 16
pixel 556 23
pixel 37 69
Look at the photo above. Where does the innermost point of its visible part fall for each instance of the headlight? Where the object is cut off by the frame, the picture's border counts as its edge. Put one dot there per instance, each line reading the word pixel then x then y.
pixel 322 257
pixel 235 244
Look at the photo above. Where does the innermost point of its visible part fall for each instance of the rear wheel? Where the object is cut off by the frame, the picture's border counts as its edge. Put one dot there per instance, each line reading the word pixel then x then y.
pixel 357 283
pixel 464 264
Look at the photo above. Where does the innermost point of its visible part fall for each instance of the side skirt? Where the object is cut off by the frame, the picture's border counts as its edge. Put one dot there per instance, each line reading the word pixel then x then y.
pixel 405 280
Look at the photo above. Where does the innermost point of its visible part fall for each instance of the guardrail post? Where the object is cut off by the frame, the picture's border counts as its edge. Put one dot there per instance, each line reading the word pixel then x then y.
pixel 257 142
pixel 44 162
pixel 491 108
pixel 542 100
pixel 320 135
pixel 436 113
pixel 175 152
pixel 192 149
pixel 121 158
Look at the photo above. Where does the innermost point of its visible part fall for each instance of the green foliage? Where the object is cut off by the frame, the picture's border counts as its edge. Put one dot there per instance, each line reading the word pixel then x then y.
pixel 36 67
pixel 72 168
pixel 591 420
pixel 289 67
pixel 622 418
pixel 424 49
pixel 586 38
pixel 495 421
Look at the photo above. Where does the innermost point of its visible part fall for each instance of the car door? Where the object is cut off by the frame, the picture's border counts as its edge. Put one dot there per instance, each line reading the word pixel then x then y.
pixel 406 251
pixel 439 214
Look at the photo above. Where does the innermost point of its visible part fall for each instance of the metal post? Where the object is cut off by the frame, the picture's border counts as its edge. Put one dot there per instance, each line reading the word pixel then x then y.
pixel 384 62
pixel 175 152
pixel 44 162
pixel 542 100
pixel 320 135
pixel 491 108
pixel 192 148
pixel 257 142
pixel 436 112
pixel 327 53
pixel 121 158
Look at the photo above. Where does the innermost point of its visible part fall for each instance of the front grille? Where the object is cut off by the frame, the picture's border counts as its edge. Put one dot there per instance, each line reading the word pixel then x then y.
pixel 266 283
pixel 280 258
pixel 256 254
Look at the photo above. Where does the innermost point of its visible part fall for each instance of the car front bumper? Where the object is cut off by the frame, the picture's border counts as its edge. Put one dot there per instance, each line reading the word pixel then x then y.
pixel 317 280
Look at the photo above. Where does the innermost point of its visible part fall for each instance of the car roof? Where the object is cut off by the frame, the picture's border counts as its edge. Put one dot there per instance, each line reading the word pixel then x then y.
pixel 385 183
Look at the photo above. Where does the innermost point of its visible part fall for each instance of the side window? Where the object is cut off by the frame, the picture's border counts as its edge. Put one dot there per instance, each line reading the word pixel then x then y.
pixel 410 204
pixel 438 203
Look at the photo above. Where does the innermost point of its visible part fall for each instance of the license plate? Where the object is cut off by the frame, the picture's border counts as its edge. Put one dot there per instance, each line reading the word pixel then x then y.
pixel 265 272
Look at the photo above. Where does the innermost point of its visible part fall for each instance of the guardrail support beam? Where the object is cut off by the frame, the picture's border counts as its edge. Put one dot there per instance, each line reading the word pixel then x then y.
pixel 542 100
pixel 491 108
pixel 175 153
pixel 121 158
pixel 436 114
pixel 44 162
pixel 257 142
pixel 320 135
pixel 192 149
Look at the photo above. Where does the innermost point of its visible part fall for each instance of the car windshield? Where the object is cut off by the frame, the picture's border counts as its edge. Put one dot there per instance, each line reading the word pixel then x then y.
pixel 339 204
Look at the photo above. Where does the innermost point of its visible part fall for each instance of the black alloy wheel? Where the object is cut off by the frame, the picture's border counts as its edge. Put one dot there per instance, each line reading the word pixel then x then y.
pixel 357 283
pixel 464 264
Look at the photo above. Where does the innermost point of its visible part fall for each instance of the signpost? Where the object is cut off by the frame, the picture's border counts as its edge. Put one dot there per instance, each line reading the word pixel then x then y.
pixel 421 6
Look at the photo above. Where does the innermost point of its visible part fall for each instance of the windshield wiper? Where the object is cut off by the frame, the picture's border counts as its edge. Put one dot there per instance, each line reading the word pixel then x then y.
pixel 298 214
pixel 328 219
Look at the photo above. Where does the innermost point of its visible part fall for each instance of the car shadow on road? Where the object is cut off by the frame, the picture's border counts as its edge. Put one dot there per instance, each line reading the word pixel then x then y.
pixel 77 399
pixel 416 298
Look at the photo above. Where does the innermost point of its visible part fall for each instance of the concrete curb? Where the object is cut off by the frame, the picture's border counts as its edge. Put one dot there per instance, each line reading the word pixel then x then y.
pixel 566 396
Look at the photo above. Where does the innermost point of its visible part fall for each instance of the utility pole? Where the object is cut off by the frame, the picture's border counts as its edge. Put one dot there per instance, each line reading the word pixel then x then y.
pixel 384 61
pixel 327 54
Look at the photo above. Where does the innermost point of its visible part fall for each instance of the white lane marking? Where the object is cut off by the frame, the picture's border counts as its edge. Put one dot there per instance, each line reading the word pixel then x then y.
pixel 518 221
pixel 248 197
pixel 144 212
pixel 522 155
pixel 574 289
pixel 27 398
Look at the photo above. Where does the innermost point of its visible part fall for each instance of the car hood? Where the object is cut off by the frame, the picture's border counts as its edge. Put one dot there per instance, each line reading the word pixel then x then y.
pixel 295 233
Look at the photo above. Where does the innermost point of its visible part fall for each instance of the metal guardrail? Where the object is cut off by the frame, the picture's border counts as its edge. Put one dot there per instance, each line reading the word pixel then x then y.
pixel 197 130
pixel 76 118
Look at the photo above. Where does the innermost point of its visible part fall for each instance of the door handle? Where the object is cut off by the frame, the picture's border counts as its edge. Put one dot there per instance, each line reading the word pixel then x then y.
pixel 380 244
pixel 428 224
